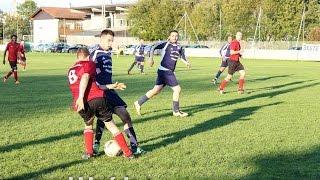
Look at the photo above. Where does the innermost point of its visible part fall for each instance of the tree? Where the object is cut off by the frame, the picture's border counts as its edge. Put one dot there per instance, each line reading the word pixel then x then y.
pixel 239 15
pixel 205 18
pixel 153 19
pixel 12 25
pixel 25 10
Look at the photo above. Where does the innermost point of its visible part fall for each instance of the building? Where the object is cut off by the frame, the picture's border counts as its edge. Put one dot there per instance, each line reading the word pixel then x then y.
pixel 80 24
pixel 52 24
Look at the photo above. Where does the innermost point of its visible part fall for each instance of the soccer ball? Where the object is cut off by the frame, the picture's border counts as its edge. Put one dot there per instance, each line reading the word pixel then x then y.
pixel 112 149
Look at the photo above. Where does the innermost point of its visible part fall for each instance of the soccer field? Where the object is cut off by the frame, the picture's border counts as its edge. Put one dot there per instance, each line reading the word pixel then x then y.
pixel 271 131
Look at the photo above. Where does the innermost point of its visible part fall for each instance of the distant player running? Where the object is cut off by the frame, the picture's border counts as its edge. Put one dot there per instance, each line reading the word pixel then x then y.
pixel 101 55
pixel 13 48
pixel 139 57
pixel 234 65
pixel 22 60
pixel 89 101
pixel 171 52
pixel 225 55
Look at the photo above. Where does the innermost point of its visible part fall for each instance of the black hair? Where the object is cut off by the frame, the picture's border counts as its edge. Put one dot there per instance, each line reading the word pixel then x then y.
pixel 106 32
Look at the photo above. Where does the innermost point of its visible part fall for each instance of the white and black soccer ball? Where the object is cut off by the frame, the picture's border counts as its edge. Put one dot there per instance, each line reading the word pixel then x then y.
pixel 112 149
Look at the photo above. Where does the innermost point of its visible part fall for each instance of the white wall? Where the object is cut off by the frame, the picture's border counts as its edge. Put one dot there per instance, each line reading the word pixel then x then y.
pixel 45 31
pixel 260 54
pixel 96 22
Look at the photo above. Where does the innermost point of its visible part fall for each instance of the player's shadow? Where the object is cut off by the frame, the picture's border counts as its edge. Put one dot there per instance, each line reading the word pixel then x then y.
pixel 42 141
pixel 269 77
pixel 235 115
pixel 287 165
pixel 38 174
pixel 202 107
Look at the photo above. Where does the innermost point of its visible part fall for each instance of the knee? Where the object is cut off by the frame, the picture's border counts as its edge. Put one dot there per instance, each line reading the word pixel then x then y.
pixel 177 90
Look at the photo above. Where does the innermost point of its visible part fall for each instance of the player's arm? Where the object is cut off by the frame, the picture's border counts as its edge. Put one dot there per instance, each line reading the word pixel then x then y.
pixel 115 86
pixel 184 59
pixel 160 45
pixel 82 89
pixel 4 55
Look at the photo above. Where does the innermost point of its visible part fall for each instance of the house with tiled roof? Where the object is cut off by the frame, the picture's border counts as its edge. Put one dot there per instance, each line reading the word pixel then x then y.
pixel 53 24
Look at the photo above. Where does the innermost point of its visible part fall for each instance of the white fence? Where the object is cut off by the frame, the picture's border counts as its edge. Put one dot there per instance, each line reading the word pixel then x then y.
pixel 309 52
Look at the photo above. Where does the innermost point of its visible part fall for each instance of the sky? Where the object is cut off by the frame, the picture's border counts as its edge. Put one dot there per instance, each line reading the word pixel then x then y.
pixel 7 5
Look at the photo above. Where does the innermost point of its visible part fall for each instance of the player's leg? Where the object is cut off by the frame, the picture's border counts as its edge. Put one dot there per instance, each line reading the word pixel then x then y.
pixel 88 118
pixel 141 67
pixel 151 93
pixel 224 83
pixel 119 138
pixel 171 80
pixel 129 130
pixel 223 66
pixel 241 81
pixel 99 131
pixel 231 71
pixel 103 113
pixel 15 71
pixel 132 65
pixel 5 78
pixel 175 102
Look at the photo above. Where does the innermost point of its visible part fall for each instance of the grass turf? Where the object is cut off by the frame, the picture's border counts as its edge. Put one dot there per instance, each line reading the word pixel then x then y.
pixel 271 131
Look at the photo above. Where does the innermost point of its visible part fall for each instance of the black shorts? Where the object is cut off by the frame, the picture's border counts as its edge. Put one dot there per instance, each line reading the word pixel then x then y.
pixel 96 107
pixel 13 65
pixel 166 78
pixel 114 100
pixel 234 66
pixel 224 62
pixel 139 59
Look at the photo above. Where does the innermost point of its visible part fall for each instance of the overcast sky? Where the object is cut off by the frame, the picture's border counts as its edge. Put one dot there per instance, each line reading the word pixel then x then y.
pixel 7 5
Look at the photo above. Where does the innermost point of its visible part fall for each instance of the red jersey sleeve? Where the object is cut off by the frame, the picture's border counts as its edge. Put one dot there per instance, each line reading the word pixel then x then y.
pixel 89 68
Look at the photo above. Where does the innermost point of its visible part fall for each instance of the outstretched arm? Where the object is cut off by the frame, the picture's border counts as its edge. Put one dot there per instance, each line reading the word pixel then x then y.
pixel 82 88
pixel 160 45
pixel 184 59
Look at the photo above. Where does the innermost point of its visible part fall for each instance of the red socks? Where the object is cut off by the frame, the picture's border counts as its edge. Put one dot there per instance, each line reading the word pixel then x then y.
pixel 123 144
pixel 223 84
pixel 241 84
pixel 88 141
pixel 15 73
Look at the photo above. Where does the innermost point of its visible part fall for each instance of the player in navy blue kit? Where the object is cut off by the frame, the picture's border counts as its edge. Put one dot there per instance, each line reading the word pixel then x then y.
pixel 139 57
pixel 101 55
pixel 225 55
pixel 171 52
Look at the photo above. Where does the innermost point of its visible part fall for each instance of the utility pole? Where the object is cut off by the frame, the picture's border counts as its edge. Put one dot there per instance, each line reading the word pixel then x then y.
pixel 302 22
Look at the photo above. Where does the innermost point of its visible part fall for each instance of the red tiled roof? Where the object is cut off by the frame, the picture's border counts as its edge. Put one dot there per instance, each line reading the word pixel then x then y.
pixel 61 13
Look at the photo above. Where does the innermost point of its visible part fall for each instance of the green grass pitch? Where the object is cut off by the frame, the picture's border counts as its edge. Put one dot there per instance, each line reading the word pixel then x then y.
pixel 271 131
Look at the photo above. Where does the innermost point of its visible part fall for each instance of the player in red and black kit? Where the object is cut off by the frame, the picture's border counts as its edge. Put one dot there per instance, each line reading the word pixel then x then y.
pixel 89 101
pixel 22 56
pixel 234 65
pixel 13 49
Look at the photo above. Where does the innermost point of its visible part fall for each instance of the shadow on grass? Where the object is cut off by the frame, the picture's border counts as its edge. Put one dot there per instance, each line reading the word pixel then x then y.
pixel 202 107
pixel 287 165
pixel 235 115
pixel 269 77
pixel 50 139
pixel 38 174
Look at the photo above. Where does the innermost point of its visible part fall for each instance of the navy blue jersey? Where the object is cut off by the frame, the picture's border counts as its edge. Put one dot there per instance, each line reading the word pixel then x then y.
pixel 225 51
pixel 169 55
pixel 103 61
pixel 139 51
